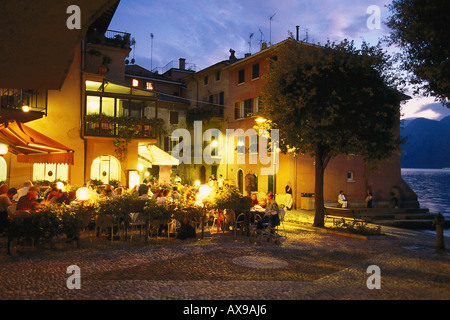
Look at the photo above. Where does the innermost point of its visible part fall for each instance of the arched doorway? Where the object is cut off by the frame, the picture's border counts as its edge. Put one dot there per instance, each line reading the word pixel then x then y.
pixel 105 168
pixel 202 175
pixel 3 169
pixel 240 179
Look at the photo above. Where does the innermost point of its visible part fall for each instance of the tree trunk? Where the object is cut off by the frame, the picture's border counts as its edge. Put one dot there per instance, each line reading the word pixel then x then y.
pixel 321 161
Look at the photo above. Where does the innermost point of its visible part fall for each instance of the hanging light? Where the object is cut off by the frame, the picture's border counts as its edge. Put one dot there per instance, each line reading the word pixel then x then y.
pixel 3 149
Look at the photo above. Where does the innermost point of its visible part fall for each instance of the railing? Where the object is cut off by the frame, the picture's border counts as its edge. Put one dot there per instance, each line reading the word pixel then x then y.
pixel 174 64
pixel 16 99
pixel 110 38
pixel 114 129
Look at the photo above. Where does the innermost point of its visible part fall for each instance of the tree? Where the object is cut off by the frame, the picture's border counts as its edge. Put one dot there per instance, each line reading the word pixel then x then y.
pixel 419 28
pixel 331 100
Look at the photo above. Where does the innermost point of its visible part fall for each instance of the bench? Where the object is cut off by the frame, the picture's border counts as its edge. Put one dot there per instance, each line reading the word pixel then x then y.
pixel 344 215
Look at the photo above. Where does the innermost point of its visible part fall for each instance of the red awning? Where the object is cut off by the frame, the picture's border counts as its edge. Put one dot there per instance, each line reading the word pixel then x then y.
pixel 31 146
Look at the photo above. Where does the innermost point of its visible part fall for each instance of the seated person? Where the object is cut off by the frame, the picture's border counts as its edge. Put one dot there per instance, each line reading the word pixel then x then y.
pixel 342 199
pixel 271 215
pixel 28 202
pixel 254 200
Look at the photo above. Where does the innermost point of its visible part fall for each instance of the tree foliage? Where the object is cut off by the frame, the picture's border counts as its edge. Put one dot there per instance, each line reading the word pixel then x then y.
pixel 420 29
pixel 332 100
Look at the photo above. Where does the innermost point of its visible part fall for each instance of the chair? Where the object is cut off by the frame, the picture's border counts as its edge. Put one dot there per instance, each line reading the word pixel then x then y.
pixel 136 220
pixel 239 221
pixel 106 221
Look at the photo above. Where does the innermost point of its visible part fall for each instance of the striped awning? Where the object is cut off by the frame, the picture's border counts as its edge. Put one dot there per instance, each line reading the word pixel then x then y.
pixel 31 146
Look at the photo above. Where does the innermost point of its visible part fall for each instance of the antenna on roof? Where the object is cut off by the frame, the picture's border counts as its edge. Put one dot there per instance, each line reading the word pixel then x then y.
pixel 250 43
pixel 270 36
pixel 151 53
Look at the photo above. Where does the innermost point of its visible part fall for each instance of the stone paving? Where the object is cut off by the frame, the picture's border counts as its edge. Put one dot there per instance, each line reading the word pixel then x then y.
pixel 307 265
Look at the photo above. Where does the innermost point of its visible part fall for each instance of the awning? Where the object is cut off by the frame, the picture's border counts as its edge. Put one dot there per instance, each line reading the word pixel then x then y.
pixel 31 146
pixel 156 156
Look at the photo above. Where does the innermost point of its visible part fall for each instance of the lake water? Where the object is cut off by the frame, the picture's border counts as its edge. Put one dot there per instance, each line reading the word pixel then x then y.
pixel 432 187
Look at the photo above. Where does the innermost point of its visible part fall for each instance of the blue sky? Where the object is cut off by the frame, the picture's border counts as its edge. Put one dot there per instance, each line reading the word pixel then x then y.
pixel 203 31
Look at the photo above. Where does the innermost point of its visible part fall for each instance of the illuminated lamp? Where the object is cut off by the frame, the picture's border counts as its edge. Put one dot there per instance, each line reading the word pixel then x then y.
pixel 25 108
pixel 60 185
pixel 197 183
pixel 261 120
pixel 3 149
pixel 140 167
pixel 204 191
pixel 83 194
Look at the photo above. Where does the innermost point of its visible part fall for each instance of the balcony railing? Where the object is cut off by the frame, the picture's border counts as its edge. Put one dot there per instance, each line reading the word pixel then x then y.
pixel 110 38
pixel 135 128
pixel 16 99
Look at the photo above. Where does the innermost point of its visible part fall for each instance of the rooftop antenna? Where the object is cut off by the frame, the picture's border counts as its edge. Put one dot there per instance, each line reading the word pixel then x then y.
pixel 260 40
pixel 151 53
pixel 270 36
pixel 250 43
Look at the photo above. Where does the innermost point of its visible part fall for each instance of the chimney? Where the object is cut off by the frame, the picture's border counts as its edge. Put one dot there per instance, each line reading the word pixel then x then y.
pixel 182 63
pixel 298 27
pixel 232 56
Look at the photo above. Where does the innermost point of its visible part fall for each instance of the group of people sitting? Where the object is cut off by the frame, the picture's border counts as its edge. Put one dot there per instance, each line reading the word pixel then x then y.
pixel 26 198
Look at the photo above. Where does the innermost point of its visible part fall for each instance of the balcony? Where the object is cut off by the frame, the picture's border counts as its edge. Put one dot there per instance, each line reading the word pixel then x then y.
pixel 22 105
pixel 110 38
pixel 100 125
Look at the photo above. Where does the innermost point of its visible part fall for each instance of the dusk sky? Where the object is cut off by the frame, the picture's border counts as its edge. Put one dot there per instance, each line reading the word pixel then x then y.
pixel 203 31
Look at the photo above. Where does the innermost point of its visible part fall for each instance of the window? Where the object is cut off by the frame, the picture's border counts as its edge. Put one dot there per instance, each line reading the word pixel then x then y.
pixel 247 107
pixel 92 105
pixel 218 75
pixel 149 85
pixel 3 169
pixel 135 82
pixel 205 80
pixel 255 71
pixel 50 171
pixel 173 117
pixel 105 168
pixel 237 113
pixel 240 145
pixel 253 144
pixel 255 105
pixel 270 184
pixel 221 98
pixel 241 78
pixel 350 176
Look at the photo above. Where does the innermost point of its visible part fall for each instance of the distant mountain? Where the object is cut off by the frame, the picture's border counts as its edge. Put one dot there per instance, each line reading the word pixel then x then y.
pixel 428 144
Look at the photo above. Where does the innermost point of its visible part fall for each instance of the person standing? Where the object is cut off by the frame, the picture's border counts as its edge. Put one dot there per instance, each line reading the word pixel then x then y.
pixel 289 201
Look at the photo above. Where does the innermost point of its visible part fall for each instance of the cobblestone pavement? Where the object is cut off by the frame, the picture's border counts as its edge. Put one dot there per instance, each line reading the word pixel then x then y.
pixel 307 265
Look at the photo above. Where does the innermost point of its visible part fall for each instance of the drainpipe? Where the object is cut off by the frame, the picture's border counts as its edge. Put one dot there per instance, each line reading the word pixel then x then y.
pixel 82 62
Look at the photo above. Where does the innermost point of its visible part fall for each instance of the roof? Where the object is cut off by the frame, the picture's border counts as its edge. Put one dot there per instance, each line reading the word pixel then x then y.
pixel 37 47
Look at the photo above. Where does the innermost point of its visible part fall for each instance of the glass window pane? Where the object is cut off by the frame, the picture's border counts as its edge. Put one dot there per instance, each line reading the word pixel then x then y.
pixel 108 106
pixel 150 109
pixel 62 172
pixel 92 105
